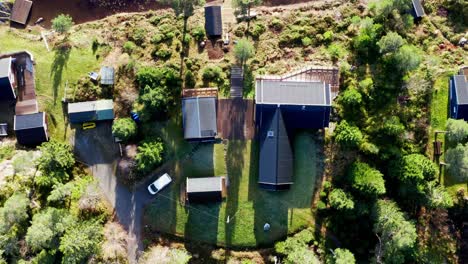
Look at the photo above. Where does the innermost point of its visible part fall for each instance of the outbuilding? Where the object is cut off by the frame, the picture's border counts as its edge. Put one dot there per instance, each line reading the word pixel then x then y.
pixel 90 111
pixel 209 189
pixel 20 11
pixel 7 80
pixel 31 129
pixel 458 97
pixel 418 10
pixel 213 21
pixel 199 118
pixel 107 75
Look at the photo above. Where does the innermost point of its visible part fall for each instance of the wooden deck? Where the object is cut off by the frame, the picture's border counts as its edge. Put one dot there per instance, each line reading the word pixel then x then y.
pixel 236 119
pixel 200 92
pixel 26 97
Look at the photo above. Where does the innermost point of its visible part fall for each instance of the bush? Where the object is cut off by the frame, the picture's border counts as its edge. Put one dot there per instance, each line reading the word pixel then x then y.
pixel 347 135
pixel 55 163
pixel 190 79
pixel 351 98
pixel 62 23
pixel 336 51
pixel 129 47
pixel 457 130
pixel 257 30
pixel 157 38
pixel 328 36
pixel 198 33
pixel 163 53
pixel 306 42
pixel 212 74
pixel 86 90
pixel 340 200
pixel 366 180
pixel 277 24
pixel 6 152
pixel 139 36
pixel 124 128
pixel 243 50
pixel 149 156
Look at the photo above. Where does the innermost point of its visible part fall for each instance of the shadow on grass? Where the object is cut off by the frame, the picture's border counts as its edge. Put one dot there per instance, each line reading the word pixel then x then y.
pixel 61 55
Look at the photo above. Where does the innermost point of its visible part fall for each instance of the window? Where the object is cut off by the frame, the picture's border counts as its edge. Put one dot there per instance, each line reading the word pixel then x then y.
pixel 271 133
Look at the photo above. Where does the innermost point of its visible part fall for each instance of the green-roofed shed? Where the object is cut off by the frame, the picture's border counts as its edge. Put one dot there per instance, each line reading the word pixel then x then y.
pixel 91 111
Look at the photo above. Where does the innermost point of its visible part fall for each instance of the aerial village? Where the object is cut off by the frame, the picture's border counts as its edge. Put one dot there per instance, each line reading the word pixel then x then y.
pixel 234 131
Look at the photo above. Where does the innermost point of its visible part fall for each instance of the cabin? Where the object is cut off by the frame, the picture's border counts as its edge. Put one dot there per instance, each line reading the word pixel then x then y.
pixel 31 129
pixel 417 10
pixel 20 11
pixel 213 21
pixel 107 75
pixel 282 107
pixel 7 80
pixel 205 190
pixel 199 118
pixel 91 111
pixel 458 88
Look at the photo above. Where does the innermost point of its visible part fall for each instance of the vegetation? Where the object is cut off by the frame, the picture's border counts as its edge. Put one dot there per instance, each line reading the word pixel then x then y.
pixel 243 51
pixel 457 130
pixel 340 200
pixel 62 23
pixel 150 155
pixel 124 128
pixel 55 163
pixel 457 158
pixel 367 180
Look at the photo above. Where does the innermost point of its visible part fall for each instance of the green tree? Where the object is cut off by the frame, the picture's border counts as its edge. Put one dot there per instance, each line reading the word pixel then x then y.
pixel 340 200
pixel 390 43
pixel 244 6
pixel 296 248
pixel 438 197
pixel 392 126
pixel 212 73
pixel 149 156
pixel 183 7
pixel 457 158
pixel 302 255
pixel 351 98
pixel 408 58
pixel 243 50
pixel 61 193
pixel 414 168
pixel 396 235
pixel 347 135
pixel 80 242
pixel 62 23
pixel 14 212
pixel 124 128
pixel 336 51
pixel 341 256
pixel 383 8
pixel 366 180
pixel 55 162
pixel 457 130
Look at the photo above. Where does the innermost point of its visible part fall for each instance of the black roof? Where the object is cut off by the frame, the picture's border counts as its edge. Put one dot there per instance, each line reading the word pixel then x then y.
pixel 31 129
pixel 418 10
pixel 461 89
pixel 213 21
pixel 276 156
pixel 29 121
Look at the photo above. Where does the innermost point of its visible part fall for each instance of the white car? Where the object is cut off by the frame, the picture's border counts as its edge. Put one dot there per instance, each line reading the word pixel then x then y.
pixel 159 184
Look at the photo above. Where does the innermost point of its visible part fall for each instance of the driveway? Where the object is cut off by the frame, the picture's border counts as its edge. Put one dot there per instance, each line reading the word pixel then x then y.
pixel 97 150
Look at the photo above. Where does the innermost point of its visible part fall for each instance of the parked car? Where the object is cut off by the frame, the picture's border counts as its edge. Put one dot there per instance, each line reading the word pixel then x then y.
pixel 159 184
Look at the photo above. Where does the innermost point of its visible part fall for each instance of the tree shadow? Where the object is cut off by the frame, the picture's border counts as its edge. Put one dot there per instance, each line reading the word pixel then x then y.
pixel 59 64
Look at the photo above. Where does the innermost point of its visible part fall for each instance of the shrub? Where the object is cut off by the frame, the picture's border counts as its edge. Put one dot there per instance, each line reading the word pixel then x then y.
pixel 347 135
pixel 277 24
pixel 212 74
pixel 114 247
pixel 257 30
pixel 340 200
pixel 157 38
pixel 139 36
pixel 149 156
pixel 414 168
pixel 351 98
pixel 457 130
pixel 190 79
pixel 328 36
pixel 80 242
pixel 306 42
pixel 124 128
pixel 160 254
pixel 336 51
pixel 55 163
pixel 163 53
pixel 366 180
pixel 6 152
pixel 458 159
pixel 198 33
pixel 86 90
pixel 62 23
pixel 129 47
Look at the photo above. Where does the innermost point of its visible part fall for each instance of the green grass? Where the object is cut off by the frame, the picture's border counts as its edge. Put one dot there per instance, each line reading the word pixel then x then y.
pixel 248 207
pixel 439 116
pixel 53 70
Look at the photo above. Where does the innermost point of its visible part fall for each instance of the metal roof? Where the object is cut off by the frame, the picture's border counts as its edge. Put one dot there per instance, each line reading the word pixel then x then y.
pixel 199 117
pixel 418 8
pixel 90 106
pixel 3 129
pixel 461 88
pixel 107 75
pixel 283 92
pixel 213 21
pixel 5 66
pixel 29 121
pixel 20 11
pixel 208 184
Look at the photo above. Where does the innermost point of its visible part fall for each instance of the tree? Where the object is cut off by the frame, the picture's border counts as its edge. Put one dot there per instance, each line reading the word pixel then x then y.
pixel 183 7
pixel 392 126
pixel 80 242
pixel 244 6
pixel 336 51
pixel 340 200
pixel 408 58
pixel 366 179
pixel 61 193
pixel 390 43
pixel 341 256
pixel 124 128
pixel 347 135
pixel 62 23
pixel 351 98
pixel 14 212
pixel 414 168
pixel 383 8
pixel 396 235
pixel 46 229
pixel 296 248
pixel 54 163
pixel 243 50
pixel 150 154
pixel 165 255
pixel 438 197
pixel 457 158
pixel 457 130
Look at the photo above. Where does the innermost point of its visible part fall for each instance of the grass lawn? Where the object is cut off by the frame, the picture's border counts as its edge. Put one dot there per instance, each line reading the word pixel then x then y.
pixel 439 116
pixel 53 69
pixel 247 206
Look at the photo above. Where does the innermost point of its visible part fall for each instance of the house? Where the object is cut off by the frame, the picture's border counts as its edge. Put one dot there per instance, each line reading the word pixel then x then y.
pixel 91 111
pixel 7 80
pixel 417 9
pixel 31 129
pixel 209 189
pixel 283 106
pixel 107 75
pixel 459 96
pixel 20 11
pixel 213 21
pixel 199 118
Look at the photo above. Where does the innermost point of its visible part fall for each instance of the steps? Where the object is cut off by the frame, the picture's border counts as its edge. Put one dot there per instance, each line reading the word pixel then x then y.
pixel 237 82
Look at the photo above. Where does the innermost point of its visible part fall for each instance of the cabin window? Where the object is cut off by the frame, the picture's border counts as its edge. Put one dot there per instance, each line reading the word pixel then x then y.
pixel 271 133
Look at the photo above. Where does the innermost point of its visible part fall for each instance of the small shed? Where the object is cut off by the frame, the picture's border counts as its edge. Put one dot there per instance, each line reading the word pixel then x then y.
pixel 20 11
pixel 7 80
pixel 199 118
pixel 91 111
pixel 458 97
pixel 31 129
pixel 107 75
pixel 209 189
pixel 418 10
pixel 213 21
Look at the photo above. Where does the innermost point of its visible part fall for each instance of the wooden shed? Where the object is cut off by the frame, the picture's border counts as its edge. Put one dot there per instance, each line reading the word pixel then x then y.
pixel 20 11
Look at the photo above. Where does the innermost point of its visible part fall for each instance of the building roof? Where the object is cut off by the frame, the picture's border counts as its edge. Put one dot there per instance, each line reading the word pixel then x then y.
pixel 208 184
pixel 199 117
pixel 107 75
pixel 276 157
pixel 461 89
pixel 29 121
pixel 20 11
pixel 3 129
pixel 213 21
pixel 90 106
pixel 418 8
pixel 270 91
pixel 5 67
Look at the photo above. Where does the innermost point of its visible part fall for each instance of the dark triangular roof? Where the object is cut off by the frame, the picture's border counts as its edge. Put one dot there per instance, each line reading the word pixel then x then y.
pixel 213 21
pixel 276 156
